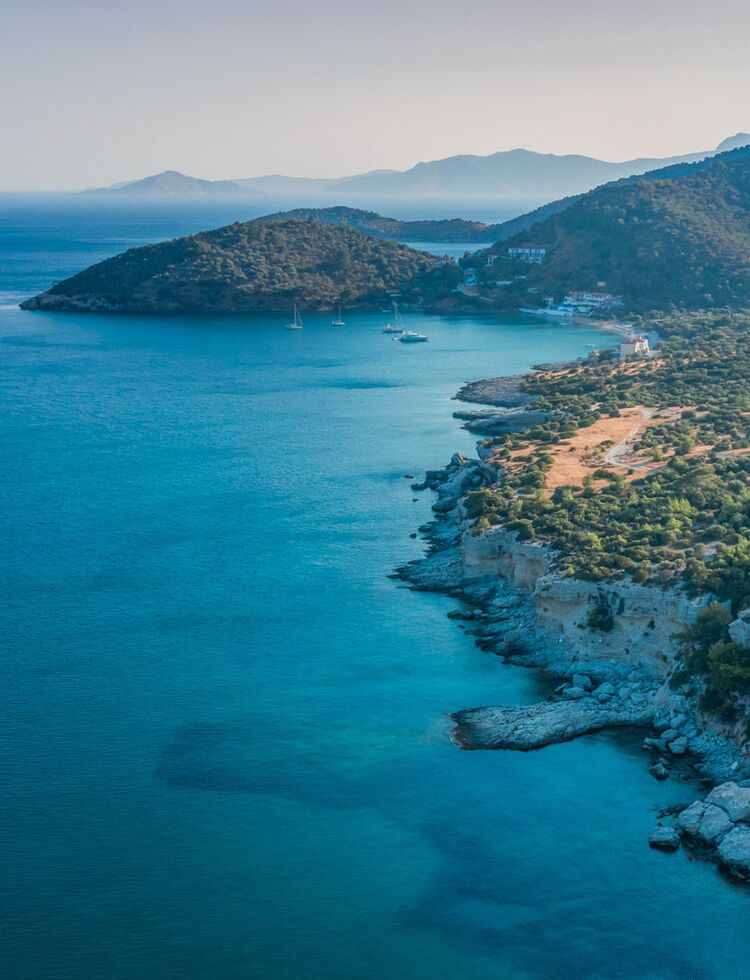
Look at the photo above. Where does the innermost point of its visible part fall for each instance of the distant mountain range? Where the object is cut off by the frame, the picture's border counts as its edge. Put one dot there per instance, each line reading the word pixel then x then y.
pixel 678 237
pixel 509 174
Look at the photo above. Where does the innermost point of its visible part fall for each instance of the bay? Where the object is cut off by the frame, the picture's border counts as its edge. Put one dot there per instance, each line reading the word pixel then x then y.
pixel 225 748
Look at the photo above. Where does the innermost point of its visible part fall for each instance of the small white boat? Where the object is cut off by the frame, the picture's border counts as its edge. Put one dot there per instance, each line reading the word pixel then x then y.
pixel 337 321
pixel 411 337
pixel 296 323
pixel 398 324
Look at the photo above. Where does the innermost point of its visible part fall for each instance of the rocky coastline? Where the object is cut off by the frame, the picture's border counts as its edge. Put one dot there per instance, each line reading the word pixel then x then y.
pixel 521 611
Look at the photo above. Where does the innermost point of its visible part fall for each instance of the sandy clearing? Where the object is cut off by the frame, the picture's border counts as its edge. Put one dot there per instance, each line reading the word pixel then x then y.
pixel 592 448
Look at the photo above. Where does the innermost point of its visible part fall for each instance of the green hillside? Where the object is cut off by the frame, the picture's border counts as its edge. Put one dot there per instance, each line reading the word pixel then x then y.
pixel 244 267
pixel 678 238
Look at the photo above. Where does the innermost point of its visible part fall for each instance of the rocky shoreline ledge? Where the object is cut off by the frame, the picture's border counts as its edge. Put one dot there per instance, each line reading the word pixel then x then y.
pixel 519 610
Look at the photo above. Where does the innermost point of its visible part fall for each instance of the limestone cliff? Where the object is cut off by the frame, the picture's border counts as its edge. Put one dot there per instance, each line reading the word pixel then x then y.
pixel 644 619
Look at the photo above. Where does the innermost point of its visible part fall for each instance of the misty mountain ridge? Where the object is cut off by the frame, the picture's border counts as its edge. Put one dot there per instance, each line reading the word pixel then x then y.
pixel 518 173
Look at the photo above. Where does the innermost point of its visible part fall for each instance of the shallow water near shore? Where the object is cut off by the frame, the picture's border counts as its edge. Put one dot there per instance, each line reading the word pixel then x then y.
pixel 225 748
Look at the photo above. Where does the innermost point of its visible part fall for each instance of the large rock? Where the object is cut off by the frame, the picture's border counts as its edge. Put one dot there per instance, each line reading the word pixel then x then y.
pixel 574 693
pixel 659 771
pixel 734 851
pixel 733 799
pixel 537 725
pixel 679 746
pixel 689 821
pixel 714 825
pixel 664 839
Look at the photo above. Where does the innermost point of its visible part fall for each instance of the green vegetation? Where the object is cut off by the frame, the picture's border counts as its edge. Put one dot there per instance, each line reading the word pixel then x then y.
pixel 600 617
pixel 250 266
pixel 688 521
pixel 721 667
pixel 676 239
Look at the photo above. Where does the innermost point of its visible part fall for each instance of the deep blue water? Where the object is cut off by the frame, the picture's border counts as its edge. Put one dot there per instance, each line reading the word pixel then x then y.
pixel 224 747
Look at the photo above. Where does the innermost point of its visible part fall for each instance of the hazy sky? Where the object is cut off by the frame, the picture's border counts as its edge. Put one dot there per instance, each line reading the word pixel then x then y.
pixel 95 92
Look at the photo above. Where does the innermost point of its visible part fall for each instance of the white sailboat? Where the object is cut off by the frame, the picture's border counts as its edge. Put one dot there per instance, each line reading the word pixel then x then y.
pixel 296 324
pixel 398 324
pixel 337 321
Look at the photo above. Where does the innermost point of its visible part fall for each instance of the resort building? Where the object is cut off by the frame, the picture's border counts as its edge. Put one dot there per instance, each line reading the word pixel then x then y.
pixel 534 256
pixel 592 300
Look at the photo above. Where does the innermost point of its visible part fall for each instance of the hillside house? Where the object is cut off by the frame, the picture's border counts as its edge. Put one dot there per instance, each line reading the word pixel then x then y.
pixel 634 347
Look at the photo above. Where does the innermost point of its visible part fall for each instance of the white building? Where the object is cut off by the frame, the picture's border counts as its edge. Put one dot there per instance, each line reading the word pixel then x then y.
pixel 634 347
pixel 534 256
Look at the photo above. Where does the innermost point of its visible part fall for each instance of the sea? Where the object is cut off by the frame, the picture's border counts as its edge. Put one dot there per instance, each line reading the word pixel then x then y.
pixel 225 745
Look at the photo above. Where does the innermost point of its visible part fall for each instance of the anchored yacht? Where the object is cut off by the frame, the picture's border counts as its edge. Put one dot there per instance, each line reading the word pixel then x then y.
pixel 296 323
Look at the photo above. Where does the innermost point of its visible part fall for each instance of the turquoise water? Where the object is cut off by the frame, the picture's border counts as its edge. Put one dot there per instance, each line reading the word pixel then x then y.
pixel 224 747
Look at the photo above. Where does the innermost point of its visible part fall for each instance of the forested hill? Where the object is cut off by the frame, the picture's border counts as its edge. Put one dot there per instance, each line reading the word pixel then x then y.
pixel 250 266
pixel 435 230
pixel 678 238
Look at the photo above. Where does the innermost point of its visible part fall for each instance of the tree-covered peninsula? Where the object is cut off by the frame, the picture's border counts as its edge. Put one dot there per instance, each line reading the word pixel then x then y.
pixel 252 266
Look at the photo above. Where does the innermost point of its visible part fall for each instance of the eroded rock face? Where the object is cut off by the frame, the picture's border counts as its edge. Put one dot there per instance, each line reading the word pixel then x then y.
pixel 534 726
pixel 563 604
pixel 734 851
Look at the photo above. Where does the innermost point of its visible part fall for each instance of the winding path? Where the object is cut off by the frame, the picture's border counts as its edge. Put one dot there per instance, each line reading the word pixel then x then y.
pixel 614 455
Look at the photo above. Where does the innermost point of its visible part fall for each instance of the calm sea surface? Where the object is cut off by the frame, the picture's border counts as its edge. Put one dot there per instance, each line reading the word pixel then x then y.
pixel 224 748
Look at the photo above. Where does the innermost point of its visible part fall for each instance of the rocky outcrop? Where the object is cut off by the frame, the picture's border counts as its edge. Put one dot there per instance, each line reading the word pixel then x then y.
pixel 534 726
pixel 494 423
pixel 502 392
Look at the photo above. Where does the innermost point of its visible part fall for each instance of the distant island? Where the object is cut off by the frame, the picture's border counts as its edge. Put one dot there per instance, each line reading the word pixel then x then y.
pixel 170 183
pixel 253 266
